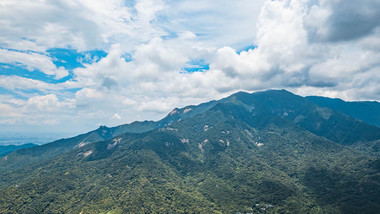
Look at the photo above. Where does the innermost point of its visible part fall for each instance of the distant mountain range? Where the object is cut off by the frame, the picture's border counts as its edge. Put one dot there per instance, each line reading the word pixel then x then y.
pixel 265 152
pixel 4 150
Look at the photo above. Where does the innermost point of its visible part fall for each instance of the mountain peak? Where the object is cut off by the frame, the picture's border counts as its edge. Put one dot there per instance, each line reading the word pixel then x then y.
pixel 243 153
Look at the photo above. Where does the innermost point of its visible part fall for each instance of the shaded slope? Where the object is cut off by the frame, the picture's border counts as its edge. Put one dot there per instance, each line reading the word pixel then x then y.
pixel 369 112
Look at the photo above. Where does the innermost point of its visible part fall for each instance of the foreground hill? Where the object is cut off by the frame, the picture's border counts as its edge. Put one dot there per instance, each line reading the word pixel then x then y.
pixel 270 151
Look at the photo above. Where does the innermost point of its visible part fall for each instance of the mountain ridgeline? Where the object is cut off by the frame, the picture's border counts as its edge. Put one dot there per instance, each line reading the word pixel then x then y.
pixel 4 150
pixel 265 152
pixel 364 110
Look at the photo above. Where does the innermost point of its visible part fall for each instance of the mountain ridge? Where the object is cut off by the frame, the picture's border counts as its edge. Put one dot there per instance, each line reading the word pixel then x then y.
pixel 4 150
pixel 247 100
pixel 366 111
pixel 245 153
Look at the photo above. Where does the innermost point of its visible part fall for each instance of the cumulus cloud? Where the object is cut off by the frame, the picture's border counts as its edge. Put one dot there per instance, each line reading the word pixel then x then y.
pixel 342 20
pixel 47 103
pixel 80 24
pixel 321 47
pixel 297 48
pixel 37 110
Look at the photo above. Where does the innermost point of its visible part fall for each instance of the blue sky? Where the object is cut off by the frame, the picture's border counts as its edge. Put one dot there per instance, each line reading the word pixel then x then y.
pixel 67 67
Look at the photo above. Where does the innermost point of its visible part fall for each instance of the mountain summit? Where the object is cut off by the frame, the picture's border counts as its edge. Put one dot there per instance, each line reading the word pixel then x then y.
pixel 265 152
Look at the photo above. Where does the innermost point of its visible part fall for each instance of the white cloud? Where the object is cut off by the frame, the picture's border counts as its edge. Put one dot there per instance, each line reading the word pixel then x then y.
pixel 47 103
pixel 8 114
pixel 37 110
pixel 342 20
pixel 32 61
pixel 83 25
pixel 21 85
pixel 16 82
pixel 87 25
pixel 147 9
pixel 299 46
pixel 159 106
pixel 232 23
pixel 116 116
pixel 285 58
pixel 288 57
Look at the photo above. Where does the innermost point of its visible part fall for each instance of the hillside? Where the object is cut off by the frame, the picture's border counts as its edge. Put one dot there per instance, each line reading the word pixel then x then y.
pixel 366 111
pixel 266 152
pixel 22 158
pixel 4 150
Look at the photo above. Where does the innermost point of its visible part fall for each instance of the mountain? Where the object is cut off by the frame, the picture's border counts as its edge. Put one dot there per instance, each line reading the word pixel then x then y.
pixel 369 112
pixel 265 152
pixel 4 150
pixel 22 158
pixel 321 121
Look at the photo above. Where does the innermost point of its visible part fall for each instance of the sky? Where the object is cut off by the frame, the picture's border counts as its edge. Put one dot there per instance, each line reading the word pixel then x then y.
pixel 69 66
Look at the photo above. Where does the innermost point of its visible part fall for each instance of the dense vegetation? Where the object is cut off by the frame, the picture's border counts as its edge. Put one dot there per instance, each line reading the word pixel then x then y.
pixel 268 152
pixel 362 110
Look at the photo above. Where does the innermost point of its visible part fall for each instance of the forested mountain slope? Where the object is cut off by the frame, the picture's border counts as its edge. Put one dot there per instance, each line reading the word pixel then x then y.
pixel 266 152
pixel 369 112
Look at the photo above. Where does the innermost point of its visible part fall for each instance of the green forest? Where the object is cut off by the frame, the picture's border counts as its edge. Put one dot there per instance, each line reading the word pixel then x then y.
pixel 267 152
